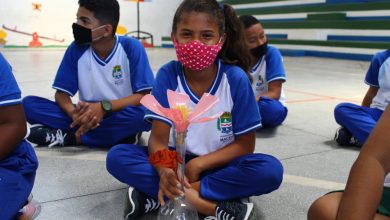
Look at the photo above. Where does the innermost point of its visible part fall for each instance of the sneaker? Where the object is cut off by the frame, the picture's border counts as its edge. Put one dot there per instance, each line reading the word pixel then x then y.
pixel 229 210
pixel 137 204
pixel 135 139
pixel 31 210
pixel 46 136
pixel 344 138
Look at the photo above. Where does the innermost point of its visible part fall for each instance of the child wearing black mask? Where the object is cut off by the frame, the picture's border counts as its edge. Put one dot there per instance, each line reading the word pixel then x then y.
pixel 267 72
pixel 111 74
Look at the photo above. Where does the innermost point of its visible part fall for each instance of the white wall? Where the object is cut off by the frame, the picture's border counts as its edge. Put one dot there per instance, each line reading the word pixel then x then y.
pixel 56 17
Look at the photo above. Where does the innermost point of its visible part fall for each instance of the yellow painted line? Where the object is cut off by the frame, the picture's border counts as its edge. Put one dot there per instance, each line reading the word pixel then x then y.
pixel 101 156
pixel 305 181
pixel 61 153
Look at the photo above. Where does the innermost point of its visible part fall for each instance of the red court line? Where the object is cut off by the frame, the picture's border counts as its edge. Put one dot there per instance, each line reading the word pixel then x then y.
pixel 321 97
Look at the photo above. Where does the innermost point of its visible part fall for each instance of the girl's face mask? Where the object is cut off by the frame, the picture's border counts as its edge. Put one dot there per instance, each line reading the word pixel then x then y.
pixel 196 55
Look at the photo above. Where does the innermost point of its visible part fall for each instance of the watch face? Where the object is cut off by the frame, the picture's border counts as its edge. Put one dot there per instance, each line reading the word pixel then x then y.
pixel 106 105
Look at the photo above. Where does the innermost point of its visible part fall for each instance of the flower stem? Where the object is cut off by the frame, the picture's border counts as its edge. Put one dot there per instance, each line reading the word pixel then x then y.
pixel 181 151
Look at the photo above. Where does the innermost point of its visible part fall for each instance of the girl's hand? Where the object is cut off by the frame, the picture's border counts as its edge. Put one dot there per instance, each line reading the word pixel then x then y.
pixel 193 170
pixel 169 184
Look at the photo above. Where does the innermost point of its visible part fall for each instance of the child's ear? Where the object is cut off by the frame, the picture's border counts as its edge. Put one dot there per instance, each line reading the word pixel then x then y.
pixel 223 37
pixel 108 30
pixel 172 36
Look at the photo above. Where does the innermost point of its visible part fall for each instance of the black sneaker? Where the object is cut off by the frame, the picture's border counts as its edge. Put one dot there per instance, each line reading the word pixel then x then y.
pixel 46 136
pixel 344 138
pixel 134 139
pixel 229 210
pixel 137 204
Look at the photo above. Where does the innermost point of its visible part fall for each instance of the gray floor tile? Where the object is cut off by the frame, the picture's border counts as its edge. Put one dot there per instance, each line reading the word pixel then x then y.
pixel 72 183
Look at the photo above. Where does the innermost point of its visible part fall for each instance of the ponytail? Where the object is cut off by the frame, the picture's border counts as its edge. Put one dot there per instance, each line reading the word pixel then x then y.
pixel 235 50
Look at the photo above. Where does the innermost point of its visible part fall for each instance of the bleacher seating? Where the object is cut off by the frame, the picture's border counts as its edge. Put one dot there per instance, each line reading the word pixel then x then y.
pixel 346 29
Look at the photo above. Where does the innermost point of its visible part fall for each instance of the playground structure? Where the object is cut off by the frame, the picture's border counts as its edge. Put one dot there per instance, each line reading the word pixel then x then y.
pixel 35 37
pixel 138 32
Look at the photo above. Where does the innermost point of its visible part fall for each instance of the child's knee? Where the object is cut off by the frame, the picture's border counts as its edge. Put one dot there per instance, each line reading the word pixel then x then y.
pixel 343 108
pixel 275 174
pixel 271 170
pixel 113 162
pixel 325 207
pixel 27 101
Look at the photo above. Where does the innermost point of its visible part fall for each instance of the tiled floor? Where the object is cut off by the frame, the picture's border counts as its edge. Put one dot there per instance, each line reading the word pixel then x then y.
pixel 72 183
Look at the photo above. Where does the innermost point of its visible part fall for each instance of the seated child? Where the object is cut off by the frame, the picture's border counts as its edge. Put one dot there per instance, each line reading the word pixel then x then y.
pixel 221 167
pixel 267 72
pixel 358 121
pixel 111 74
pixel 365 196
pixel 18 162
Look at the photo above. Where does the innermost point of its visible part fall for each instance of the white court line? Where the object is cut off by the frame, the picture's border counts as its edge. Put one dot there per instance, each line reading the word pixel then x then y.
pixel 305 181
pixel 101 156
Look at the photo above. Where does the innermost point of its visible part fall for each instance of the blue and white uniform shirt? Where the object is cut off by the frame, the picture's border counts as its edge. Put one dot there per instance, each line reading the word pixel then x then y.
pixel 378 75
pixel 236 101
pixel 125 71
pixel 9 91
pixel 387 180
pixel 269 68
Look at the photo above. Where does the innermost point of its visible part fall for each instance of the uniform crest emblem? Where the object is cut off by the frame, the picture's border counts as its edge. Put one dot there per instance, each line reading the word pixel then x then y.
pixel 117 75
pixel 117 72
pixel 225 123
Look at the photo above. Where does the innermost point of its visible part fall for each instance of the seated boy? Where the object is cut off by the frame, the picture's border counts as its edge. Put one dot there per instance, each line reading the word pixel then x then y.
pixel 111 74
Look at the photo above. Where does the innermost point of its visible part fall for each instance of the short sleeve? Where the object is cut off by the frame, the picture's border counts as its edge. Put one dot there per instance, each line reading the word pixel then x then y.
pixel 66 79
pixel 245 112
pixel 275 69
pixel 141 74
pixel 9 91
pixel 166 78
pixel 373 71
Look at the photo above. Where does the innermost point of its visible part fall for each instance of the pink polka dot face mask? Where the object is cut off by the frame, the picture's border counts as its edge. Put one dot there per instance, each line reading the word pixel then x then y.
pixel 196 55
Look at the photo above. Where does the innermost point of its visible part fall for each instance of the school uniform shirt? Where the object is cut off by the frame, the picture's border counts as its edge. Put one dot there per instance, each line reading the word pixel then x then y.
pixel 268 68
pixel 125 71
pixel 10 95
pixel 387 180
pixel 9 90
pixel 378 75
pixel 236 101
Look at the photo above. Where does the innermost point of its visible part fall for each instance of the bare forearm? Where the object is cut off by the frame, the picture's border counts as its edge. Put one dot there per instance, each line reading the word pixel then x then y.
pixel 274 90
pixel 159 137
pixel 65 103
pixel 271 95
pixel 122 103
pixel 367 101
pixel 363 192
pixel 370 94
pixel 365 183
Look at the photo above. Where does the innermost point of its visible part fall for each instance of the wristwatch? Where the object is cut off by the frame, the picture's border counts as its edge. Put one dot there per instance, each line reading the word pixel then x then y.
pixel 106 106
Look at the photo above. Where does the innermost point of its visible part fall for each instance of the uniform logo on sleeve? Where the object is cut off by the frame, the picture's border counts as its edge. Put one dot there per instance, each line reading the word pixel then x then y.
pixel 225 125
pixel 117 75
